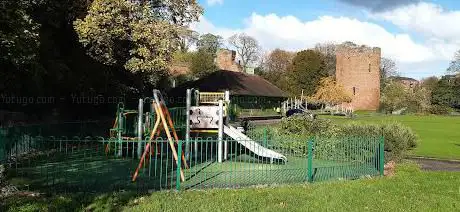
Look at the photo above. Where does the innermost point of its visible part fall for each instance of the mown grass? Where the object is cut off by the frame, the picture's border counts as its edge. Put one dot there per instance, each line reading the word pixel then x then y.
pixel 439 136
pixel 409 190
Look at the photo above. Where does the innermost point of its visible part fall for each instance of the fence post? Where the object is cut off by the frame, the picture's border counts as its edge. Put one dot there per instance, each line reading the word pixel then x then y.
pixel 220 135
pixel 179 166
pixel 381 155
pixel 265 137
pixel 140 128
pixel 310 159
pixel 3 147
pixel 187 124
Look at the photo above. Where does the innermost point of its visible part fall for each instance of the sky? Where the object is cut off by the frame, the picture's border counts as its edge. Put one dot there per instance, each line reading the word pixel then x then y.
pixel 421 36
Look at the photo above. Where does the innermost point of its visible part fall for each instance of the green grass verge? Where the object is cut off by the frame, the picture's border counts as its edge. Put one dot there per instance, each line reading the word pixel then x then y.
pixel 439 136
pixel 409 190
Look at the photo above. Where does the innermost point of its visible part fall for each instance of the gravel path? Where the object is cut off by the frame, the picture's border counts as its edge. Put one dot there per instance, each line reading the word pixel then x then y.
pixel 437 165
pixel 265 122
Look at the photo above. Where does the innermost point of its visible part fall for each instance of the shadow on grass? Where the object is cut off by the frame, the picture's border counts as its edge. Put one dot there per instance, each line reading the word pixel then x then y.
pixel 72 202
pixel 91 173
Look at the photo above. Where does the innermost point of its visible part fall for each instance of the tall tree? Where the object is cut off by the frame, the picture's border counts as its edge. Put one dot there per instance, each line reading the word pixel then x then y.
pixel 388 69
pixel 187 39
pixel 202 64
pixel 430 83
pixel 418 100
pixel 247 48
pixel 396 96
pixel 209 43
pixel 393 97
pixel 278 60
pixel 328 50
pixel 19 38
pixel 307 69
pixel 275 66
pixel 454 66
pixel 139 35
pixel 447 91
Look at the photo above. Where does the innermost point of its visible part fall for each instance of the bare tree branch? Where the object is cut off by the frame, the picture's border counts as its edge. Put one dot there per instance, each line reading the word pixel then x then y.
pixel 247 47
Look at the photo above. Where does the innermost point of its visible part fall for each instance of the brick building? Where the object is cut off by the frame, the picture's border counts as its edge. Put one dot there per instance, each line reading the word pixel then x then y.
pixel 225 60
pixel 177 69
pixel 358 71
pixel 408 82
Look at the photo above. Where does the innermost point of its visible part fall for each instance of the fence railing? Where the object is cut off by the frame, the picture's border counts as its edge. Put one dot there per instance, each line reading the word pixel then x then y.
pixel 95 164
pixel 345 157
pixel 178 116
pixel 15 138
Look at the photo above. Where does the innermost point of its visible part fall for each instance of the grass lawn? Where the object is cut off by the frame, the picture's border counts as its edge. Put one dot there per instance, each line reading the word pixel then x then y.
pixel 439 136
pixel 409 190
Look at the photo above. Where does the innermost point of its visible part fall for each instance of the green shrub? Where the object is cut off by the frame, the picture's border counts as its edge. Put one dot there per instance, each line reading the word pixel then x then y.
pixel 305 125
pixel 287 142
pixel 260 133
pixel 233 111
pixel 439 110
pixel 398 138
pixel 293 132
pixel 294 144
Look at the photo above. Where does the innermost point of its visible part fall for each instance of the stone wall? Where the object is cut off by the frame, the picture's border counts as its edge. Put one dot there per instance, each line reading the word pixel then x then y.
pixel 358 71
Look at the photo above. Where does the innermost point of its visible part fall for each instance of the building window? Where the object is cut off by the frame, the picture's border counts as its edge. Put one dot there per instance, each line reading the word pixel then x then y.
pixel 354 91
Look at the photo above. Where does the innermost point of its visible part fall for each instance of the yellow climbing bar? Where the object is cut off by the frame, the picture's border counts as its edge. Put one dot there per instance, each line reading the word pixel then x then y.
pixel 211 97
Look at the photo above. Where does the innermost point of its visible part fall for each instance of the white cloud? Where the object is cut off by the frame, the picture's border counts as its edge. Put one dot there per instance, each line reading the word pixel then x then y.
pixel 205 26
pixel 215 2
pixel 290 33
pixel 415 58
pixel 435 24
pixel 427 18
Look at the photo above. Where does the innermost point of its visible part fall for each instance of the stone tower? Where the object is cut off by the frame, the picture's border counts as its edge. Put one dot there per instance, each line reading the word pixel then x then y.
pixel 358 71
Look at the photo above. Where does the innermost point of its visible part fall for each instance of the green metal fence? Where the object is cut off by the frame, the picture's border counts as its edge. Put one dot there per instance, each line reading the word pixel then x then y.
pixel 95 164
pixel 241 167
pixel 15 138
pixel 89 165
pixel 345 158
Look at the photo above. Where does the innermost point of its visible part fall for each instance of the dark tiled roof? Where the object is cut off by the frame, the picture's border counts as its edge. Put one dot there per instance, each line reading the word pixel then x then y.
pixel 237 83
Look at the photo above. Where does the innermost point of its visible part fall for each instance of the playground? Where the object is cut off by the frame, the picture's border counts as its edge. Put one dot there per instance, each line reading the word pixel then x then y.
pixel 88 169
pixel 195 147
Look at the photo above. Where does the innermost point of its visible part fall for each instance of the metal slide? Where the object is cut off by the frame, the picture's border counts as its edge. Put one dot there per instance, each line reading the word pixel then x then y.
pixel 252 145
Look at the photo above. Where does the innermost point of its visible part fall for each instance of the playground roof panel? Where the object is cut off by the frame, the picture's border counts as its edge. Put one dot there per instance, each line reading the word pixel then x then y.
pixel 238 83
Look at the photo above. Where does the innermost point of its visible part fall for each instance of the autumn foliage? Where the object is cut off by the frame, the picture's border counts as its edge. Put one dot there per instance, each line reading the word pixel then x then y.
pixel 330 92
